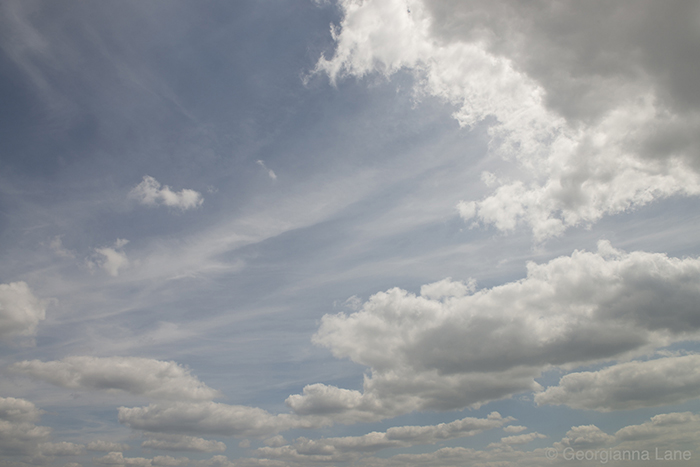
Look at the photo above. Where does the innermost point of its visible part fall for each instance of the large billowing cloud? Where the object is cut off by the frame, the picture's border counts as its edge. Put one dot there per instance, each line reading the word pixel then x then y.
pixel 20 310
pixel 139 376
pixel 150 193
pixel 442 354
pixel 629 385
pixel 599 106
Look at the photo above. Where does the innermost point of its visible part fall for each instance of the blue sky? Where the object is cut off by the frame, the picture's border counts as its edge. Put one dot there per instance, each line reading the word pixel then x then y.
pixel 372 233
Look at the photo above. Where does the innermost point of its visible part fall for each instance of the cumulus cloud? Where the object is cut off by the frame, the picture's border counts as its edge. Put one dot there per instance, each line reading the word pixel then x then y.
pixel 106 446
pixel 430 354
pixel 350 447
pixel 182 443
pixel 112 259
pixel 139 376
pixel 580 96
pixel 508 441
pixel 18 432
pixel 150 193
pixel 61 449
pixel 213 419
pixel 117 458
pixel 668 425
pixel 586 437
pixel 20 310
pixel 628 385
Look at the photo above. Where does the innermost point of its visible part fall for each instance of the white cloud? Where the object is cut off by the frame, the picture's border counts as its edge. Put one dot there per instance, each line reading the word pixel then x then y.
pixel 112 259
pixel 514 428
pixel 447 288
pixel 182 443
pixel 426 354
pixel 594 134
pixel 140 376
pixel 150 193
pixel 628 385
pixel 270 173
pixel 20 310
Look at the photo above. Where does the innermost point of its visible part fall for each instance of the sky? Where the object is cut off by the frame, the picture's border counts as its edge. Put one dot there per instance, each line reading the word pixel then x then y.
pixel 372 233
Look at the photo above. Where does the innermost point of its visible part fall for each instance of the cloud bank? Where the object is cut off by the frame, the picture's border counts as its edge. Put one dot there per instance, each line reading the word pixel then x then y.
pixel 465 350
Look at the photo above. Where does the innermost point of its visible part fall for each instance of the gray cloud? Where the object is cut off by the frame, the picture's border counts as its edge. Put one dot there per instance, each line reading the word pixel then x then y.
pixel 106 446
pixel 18 432
pixel 182 443
pixel 140 376
pixel 628 385
pixel 352 447
pixel 212 418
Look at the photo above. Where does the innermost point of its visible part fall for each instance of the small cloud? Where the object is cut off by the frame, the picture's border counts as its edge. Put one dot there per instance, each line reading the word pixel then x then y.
pixel 112 259
pixel 20 310
pixel 514 428
pixel 150 193
pixel 58 248
pixel 270 173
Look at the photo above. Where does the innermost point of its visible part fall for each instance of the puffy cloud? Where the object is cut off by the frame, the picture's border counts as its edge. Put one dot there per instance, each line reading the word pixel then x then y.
pixel 508 441
pixel 182 443
pixel 117 458
pixel 350 447
pixel 628 385
pixel 20 310
pixel 150 193
pixel 112 259
pixel 140 376
pixel 18 432
pixel 662 426
pixel 514 428
pixel 586 437
pixel 106 446
pixel 579 96
pixel 211 418
pixel 429 354
pixel 61 449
